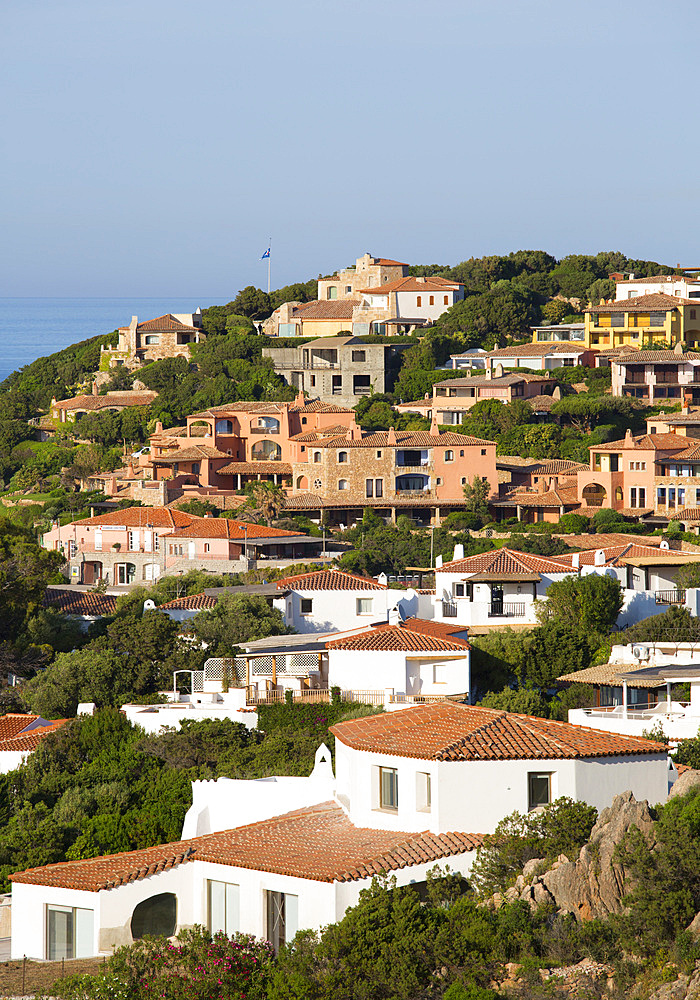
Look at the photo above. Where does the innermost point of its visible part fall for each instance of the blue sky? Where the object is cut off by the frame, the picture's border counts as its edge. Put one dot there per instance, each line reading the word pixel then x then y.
pixel 152 146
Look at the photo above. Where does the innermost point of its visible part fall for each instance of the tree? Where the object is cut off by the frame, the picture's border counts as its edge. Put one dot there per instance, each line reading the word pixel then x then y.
pixel 264 500
pixel 25 571
pixel 476 495
pixel 252 302
pixel 587 605
pixel 235 620
pixel 675 625
pixel 602 288
pixel 554 311
pixel 584 412
pixel 688 577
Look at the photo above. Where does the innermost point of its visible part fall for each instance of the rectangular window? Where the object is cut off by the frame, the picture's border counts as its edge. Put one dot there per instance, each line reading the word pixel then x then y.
pixel 445 300
pixel 364 605
pixel 671 496
pixel 72 549
pixel 458 589
pixel 642 496
pixel 69 932
pixel 388 788
pixel 539 790
pixel 693 313
pixel 133 541
pixel 633 497
pixel 681 496
pixel 206 546
pixel 423 792
pixel 156 541
pixel 306 605
pixel 282 918
pixel 359 355
pixel 223 907
pixel 98 539
pixel 379 454
pixel 449 456
pixel 432 300
pixel 697 498
pixel 419 300
pixel 379 487
pixel 369 488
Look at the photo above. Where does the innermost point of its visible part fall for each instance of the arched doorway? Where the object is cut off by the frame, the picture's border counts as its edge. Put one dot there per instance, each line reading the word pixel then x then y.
pixel 156 916
pixel 302 483
pixel 266 451
pixel 594 495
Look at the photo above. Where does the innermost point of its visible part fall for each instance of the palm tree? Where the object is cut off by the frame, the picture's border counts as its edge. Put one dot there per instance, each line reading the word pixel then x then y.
pixel 266 501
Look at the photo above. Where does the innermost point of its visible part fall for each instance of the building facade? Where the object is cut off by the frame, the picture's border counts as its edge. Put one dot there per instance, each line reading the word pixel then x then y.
pixel 168 336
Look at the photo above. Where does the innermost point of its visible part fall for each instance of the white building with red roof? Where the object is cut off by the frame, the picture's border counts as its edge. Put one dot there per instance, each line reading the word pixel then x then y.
pixel 330 599
pixel 20 735
pixel 412 789
pixel 495 588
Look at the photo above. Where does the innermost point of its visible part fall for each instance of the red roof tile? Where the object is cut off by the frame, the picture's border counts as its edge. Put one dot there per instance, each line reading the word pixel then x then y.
pixel 410 284
pixel 195 602
pixel 142 517
pixel 448 731
pixel 655 301
pixel 23 733
pixel 504 561
pixel 413 635
pixel 166 322
pixel 75 602
pixel 227 527
pixel 326 309
pixel 318 843
pixel 329 579
pixel 126 398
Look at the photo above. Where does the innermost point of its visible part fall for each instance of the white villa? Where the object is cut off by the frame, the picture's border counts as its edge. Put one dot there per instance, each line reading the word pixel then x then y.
pixel 332 599
pixel 496 588
pixel 397 804
pixel 634 690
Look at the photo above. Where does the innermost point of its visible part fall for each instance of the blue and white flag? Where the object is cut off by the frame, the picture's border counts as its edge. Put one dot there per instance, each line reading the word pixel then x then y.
pixel 266 254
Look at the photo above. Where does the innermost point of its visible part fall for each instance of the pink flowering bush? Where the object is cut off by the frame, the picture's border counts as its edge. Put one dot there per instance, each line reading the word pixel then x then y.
pixel 196 966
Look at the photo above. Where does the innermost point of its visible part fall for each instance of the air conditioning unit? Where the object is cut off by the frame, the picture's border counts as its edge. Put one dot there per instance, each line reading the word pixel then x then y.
pixel 640 652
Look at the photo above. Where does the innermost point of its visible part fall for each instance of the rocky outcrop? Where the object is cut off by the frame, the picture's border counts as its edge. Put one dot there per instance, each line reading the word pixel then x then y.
pixel 684 782
pixel 593 885
pixel 682 988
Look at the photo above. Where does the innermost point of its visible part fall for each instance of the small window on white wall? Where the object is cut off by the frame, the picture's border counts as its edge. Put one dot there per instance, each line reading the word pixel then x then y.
pixel 364 605
pixel 388 788
pixel 539 789
pixel 423 792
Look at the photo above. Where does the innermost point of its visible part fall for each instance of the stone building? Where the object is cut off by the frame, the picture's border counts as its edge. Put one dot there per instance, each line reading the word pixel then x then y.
pixel 168 336
pixel 337 369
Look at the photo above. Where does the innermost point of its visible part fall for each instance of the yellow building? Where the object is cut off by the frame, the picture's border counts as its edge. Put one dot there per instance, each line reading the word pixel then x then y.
pixel 644 320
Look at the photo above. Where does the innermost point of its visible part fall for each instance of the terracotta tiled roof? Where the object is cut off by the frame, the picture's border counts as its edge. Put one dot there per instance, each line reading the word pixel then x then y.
pixel 192 453
pixel 692 452
pixel 667 357
pixel 615 554
pixel 557 465
pixel 326 309
pixel 316 406
pixel 655 301
pixel 404 439
pixel 142 517
pixel 692 417
pixel 246 468
pixel 606 673
pixel 538 350
pixel 195 602
pixel 500 380
pixel 74 602
pixel 448 731
pixel 410 284
pixel 689 514
pixel 23 733
pixel 654 279
pixel 318 435
pixel 89 402
pixel 559 496
pixel 227 527
pixel 318 843
pixel 506 561
pixel 602 541
pixel 166 322
pixel 542 404
pixel 648 442
pixel 413 635
pixel 389 263
pixel 329 579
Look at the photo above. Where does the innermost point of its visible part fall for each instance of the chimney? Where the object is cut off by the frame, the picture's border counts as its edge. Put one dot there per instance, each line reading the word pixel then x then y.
pixel 488 374
pixel 159 426
pixel 576 560
pixel 355 432
pixel 130 470
pixel 557 392
pixel 299 401
pixel 499 371
pixel 599 559
pixel 434 429
pixel 421 280
pixel 391 436
pixel 678 349
pixel 95 389
pixel 685 405
pixel 628 436
pixel 393 616
pixel 542 485
pixel 438 562
pixel 458 552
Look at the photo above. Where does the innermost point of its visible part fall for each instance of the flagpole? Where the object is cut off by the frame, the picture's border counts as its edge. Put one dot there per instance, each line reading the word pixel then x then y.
pixel 268 265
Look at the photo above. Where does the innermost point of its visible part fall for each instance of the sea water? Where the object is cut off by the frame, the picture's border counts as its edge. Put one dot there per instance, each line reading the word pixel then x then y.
pixel 33 328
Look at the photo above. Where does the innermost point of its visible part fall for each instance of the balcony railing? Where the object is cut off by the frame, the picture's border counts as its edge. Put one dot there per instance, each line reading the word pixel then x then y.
pixel 264 430
pixel 449 609
pixel 413 494
pixel 502 609
pixel 670 596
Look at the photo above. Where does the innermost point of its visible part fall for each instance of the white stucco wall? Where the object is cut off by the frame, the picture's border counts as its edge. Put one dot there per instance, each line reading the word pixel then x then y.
pixel 29 904
pixel 403 672
pixel 474 796
pixel 337 609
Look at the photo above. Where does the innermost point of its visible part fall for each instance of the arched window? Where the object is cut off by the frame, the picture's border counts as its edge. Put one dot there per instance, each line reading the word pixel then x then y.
pixel 156 916
pixel 343 484
pixel 224 427
pixel 594 494
pixel 270 424
pixel 317 456
pixel 302 483
pixel 342 456
pixel 266 451
pixel 619 495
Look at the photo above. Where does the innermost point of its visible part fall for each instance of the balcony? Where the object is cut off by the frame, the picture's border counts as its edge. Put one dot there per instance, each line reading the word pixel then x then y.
pixel 414 494
pixel 449 609
pixel 503 609
pixel 264 430
pixel 414 468
pixel 669 596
